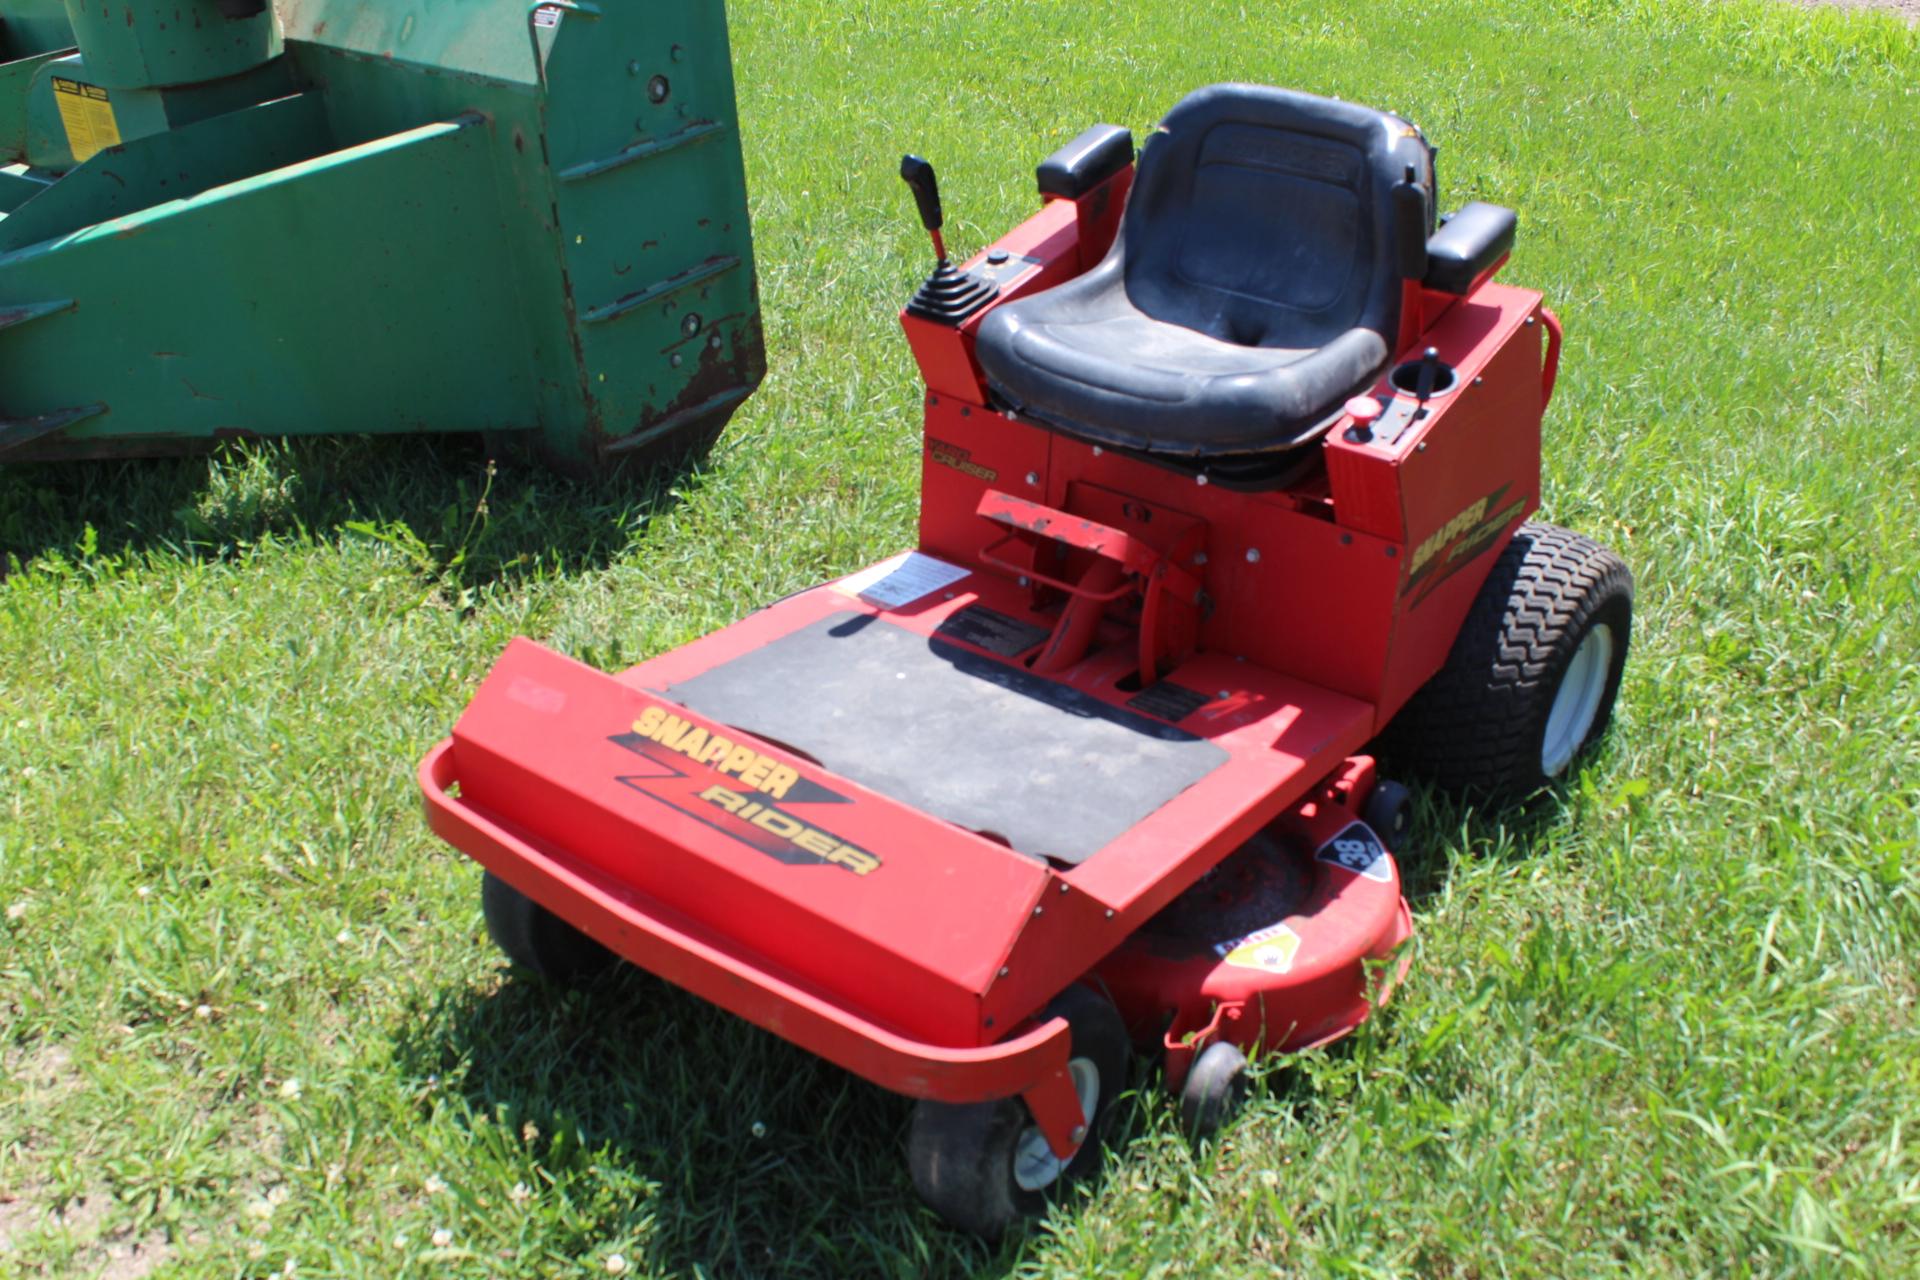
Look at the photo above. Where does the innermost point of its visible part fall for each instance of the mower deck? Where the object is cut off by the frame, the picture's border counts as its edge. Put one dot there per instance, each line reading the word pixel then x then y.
pixel 1016 851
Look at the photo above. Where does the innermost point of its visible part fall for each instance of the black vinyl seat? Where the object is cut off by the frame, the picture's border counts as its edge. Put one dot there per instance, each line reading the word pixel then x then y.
pixel 1254 286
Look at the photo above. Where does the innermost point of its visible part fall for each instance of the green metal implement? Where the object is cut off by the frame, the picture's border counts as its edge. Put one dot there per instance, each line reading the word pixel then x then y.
pixel 219 219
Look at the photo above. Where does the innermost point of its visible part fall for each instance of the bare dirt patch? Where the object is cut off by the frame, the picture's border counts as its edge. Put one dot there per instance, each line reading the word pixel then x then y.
pixel 104 1254
pixel 1908 9
pixel 45 1075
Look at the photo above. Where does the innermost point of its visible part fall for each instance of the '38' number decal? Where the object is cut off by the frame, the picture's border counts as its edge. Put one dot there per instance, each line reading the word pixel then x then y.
pixel 1358 850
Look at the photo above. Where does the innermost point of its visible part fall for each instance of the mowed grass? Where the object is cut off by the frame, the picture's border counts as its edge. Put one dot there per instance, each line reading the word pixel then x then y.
pixel 1659 1023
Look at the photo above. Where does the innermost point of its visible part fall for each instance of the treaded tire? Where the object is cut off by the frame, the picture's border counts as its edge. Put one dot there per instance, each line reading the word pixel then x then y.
pixel 962 1155
pixel 1481 723
pixel 536 939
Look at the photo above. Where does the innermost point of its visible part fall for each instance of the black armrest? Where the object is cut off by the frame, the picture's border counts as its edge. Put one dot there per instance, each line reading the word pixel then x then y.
pixel 1086 162
pixel 1472 240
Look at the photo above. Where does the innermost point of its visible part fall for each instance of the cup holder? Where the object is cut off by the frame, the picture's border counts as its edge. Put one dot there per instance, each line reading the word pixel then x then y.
pixel 1406 378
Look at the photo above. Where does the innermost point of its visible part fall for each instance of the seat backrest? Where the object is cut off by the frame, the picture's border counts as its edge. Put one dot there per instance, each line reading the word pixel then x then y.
pixel 1266 218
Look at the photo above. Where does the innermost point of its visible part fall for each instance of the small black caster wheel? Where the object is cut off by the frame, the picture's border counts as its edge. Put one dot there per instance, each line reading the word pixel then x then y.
pixel 1216 1086
pixel 536 939
pixel 1389 811
pixel 984 1165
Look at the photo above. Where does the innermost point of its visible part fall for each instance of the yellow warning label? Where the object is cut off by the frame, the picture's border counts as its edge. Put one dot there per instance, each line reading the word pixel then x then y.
pixel 88 118
pixel 1271 949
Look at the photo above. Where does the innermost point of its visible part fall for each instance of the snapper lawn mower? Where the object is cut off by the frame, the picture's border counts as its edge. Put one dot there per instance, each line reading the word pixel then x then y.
pixel 1228 462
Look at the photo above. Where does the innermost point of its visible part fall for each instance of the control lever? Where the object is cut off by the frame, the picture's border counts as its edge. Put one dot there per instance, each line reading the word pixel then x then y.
pixel 1429 375
pixel 926 193
pixel 949 295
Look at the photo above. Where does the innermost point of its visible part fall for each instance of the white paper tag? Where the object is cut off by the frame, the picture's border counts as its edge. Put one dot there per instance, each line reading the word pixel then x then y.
pixel 901 580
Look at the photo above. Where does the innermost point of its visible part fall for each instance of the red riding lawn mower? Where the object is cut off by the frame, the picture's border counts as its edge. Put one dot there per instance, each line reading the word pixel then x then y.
pixel 1227 461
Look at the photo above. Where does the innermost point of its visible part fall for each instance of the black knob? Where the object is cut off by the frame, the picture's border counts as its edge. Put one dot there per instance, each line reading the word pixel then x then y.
pixel 1429 374
pixel 926 190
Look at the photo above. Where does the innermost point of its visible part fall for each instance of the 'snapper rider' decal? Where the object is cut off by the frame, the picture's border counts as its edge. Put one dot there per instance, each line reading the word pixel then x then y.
pixel 736 790
pixel 1454 544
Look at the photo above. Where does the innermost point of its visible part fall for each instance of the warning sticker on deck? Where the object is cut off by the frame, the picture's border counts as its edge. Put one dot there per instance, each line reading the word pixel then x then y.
pixel 87 117
pixel 907 577
pixel 1171 702
pixel 1270 950
pixel 989 629
pixel 546 16
pixel 1359 850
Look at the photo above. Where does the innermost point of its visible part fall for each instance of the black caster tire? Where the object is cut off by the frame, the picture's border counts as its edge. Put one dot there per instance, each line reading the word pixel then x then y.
pixel 1533 674
pixel 1215 1090
pixel 1389 811
pixel 536 939
pixel 983 1166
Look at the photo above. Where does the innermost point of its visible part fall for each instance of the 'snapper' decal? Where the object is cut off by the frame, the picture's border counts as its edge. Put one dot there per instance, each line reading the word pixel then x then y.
pixel 1359 850
pixel 1454 544
pixel 738 791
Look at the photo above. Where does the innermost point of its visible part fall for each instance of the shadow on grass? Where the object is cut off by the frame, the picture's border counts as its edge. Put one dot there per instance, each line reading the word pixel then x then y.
pixel 684 1136
pixel 1450 829
pixel 443 502
pixel 688 1137
pixel 1481 828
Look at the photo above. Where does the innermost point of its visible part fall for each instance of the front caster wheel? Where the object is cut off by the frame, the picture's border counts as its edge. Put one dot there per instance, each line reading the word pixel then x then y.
pixel 536 939
pixel 984 1165
pixel 1389 811
pixel 1216 1086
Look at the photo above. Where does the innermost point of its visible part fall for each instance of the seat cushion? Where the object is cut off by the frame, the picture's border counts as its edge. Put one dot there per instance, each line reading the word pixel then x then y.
pixel 1084 358
pixel 1255 283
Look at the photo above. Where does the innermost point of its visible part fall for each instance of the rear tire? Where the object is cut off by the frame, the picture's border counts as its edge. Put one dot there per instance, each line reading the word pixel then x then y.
pixel 982 1166
pixel 536 939
pixel 1533 674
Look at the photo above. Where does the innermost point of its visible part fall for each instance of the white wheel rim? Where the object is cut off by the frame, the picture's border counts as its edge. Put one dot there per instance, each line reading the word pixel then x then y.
pixel 1034 1164
pixel 1577 701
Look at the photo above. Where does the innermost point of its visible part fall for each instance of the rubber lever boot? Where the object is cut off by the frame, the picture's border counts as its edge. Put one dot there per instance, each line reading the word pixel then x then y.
pixel 949 295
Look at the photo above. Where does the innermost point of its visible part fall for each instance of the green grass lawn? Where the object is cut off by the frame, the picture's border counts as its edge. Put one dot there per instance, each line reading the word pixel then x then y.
pixel 1663 1024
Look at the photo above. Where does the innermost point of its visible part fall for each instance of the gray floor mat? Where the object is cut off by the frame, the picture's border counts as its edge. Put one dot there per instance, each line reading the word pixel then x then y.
pixel 985 745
